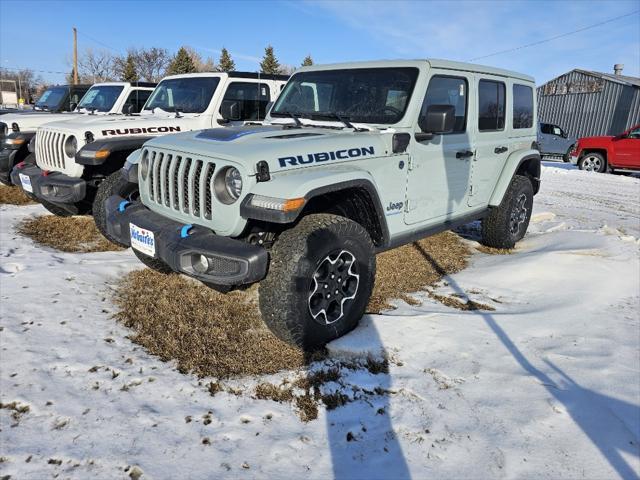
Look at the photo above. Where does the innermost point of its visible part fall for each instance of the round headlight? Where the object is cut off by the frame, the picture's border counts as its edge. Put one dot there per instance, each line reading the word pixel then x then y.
pixel 144 165
pixel 71 146
pixel 233 182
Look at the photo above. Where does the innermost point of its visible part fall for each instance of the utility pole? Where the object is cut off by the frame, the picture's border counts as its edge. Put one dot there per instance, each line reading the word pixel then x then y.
pixel 75 56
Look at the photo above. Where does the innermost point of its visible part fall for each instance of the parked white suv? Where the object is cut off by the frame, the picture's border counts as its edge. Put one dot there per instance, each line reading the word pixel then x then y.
pixel 358 158
pixel 101 99
pixel 78 160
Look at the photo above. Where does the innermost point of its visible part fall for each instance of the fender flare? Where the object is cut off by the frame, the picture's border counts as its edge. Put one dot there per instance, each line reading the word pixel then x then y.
pixel 87 154
pixel 360 181
pixel 512 166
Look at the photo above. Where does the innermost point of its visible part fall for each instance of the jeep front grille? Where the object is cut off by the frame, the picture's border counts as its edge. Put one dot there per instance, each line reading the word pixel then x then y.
pixel 50 149
pixel 181 183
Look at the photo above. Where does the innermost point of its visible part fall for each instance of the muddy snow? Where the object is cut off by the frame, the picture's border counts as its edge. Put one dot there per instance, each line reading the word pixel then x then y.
pixel 545 383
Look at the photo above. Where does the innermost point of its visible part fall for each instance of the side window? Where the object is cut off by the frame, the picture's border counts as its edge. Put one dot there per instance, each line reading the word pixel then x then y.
pixel 252 99
pixel 491 111
pixel 557 131
pixel 137 98
pixel 546 128
pixel 443 90
pixel 522 106
pixel 75 95
pixel 635 133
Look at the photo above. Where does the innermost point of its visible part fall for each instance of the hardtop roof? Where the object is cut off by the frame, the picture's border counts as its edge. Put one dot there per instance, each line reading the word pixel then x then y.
pixel 433 62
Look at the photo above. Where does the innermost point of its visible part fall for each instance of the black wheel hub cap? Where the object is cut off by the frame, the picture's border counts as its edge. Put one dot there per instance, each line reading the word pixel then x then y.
pixel 518 214
pixel 333 287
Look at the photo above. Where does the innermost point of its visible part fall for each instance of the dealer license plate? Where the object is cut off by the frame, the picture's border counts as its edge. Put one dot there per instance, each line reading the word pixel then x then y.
pixel 26 182
pixel 142 240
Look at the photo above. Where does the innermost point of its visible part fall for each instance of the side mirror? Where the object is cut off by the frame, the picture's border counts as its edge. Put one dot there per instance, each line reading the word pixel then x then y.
pixel 438 119
pixel 230 110
pixel 73 106
pixel 129 109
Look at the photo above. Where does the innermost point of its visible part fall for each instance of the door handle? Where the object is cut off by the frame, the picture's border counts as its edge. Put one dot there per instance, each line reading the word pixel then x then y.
pixel 464 154
pixel 500 149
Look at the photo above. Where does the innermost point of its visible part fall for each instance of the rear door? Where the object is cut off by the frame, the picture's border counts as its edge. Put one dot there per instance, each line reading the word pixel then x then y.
pixel 492 142
pixel 439 169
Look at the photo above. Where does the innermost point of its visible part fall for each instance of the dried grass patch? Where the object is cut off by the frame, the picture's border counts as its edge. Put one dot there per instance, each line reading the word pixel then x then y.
pixel 206 332
pixel 412 267
pixel 68 234
pixel 222 335
pixel 14 196
pixel 494 251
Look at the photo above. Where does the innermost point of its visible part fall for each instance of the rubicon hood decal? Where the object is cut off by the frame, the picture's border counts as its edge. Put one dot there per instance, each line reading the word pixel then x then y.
pixel 324 156
pixel 137 131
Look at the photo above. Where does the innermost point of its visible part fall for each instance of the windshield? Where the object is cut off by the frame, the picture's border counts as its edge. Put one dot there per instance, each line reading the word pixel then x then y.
pixel 52 98
pixel 188 95
pixel 367 95
pixel 101 98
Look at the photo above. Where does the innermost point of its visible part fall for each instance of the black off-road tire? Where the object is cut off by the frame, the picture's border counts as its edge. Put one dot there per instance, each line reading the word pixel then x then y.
pixel 303 252
pixel 153 263
pixel 593 162
pixel 507 224
pixel 114 184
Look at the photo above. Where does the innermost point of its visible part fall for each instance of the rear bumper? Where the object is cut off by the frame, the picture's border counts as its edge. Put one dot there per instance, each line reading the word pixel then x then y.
pixel 229 262
pixel 53 187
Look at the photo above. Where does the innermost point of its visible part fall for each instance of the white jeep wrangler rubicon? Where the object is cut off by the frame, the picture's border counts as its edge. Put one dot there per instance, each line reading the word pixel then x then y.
pixel 107 98
pixel 357 159
pixel 78 160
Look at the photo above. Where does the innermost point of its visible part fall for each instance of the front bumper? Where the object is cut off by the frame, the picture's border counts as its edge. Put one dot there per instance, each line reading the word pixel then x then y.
pixel 230 262
pixel 54 187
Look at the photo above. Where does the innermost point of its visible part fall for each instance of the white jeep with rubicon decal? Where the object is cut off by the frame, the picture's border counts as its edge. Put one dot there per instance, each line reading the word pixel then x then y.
pixel 356 159
pixel 78 160
pixel 18 130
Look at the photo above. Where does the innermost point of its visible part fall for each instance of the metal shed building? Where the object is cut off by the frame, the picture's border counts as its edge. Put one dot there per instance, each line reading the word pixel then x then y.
pixel 586 103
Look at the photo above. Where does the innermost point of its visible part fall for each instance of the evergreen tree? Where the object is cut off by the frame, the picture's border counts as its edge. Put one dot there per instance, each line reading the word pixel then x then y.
pixel 269 63
pixel 308 61
pixel 181 63
pixel 129 73
pixel 226 63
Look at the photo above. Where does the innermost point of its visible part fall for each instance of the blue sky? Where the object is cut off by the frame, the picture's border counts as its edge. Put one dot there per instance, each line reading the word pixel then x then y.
pixel 37 35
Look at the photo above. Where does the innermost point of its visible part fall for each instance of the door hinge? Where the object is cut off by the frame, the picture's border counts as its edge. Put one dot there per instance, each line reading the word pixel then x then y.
pixel 406 206
pixel 470 190
pixel 410 163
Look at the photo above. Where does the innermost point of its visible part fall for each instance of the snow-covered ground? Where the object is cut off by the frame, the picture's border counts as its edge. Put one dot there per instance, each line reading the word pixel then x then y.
pixel 546 385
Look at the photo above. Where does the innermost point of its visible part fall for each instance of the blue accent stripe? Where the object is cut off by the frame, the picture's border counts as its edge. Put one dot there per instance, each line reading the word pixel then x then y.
pixel 123 204
pixel 184 231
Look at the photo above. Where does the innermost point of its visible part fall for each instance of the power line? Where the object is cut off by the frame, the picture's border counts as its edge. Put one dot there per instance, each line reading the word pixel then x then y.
pixel 19 69
pixel 554 38
pixel 98 42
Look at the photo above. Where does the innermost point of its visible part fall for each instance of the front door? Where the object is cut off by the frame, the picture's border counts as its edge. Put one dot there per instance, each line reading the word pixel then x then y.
pixel 627 150
pixel 439 169
pixel 492 146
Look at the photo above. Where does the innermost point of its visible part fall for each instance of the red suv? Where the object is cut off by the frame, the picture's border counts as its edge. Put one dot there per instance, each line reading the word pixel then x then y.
pixel 599 154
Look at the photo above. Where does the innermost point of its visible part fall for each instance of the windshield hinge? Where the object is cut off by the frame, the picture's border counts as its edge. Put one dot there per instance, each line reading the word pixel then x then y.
pixel 410 163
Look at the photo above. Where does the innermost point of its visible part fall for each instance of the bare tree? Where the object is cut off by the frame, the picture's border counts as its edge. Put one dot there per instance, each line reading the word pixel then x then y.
pixel 151 63
pixel 27 83
pixel 201 65
pixel 97 65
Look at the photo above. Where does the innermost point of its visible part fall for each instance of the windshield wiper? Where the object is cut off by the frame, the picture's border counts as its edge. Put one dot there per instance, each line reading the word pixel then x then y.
pixel 340 118
pixel 294 116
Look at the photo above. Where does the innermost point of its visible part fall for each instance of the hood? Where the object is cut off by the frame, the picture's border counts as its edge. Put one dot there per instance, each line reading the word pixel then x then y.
pixel 29 121
pixel 283 148
pixel 596 139
pixel 114 126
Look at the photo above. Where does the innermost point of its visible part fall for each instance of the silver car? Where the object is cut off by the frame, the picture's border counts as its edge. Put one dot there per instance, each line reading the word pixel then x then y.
pixel 554 142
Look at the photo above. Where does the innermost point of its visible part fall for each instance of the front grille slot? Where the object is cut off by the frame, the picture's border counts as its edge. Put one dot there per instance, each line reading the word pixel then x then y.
pixel 183 184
